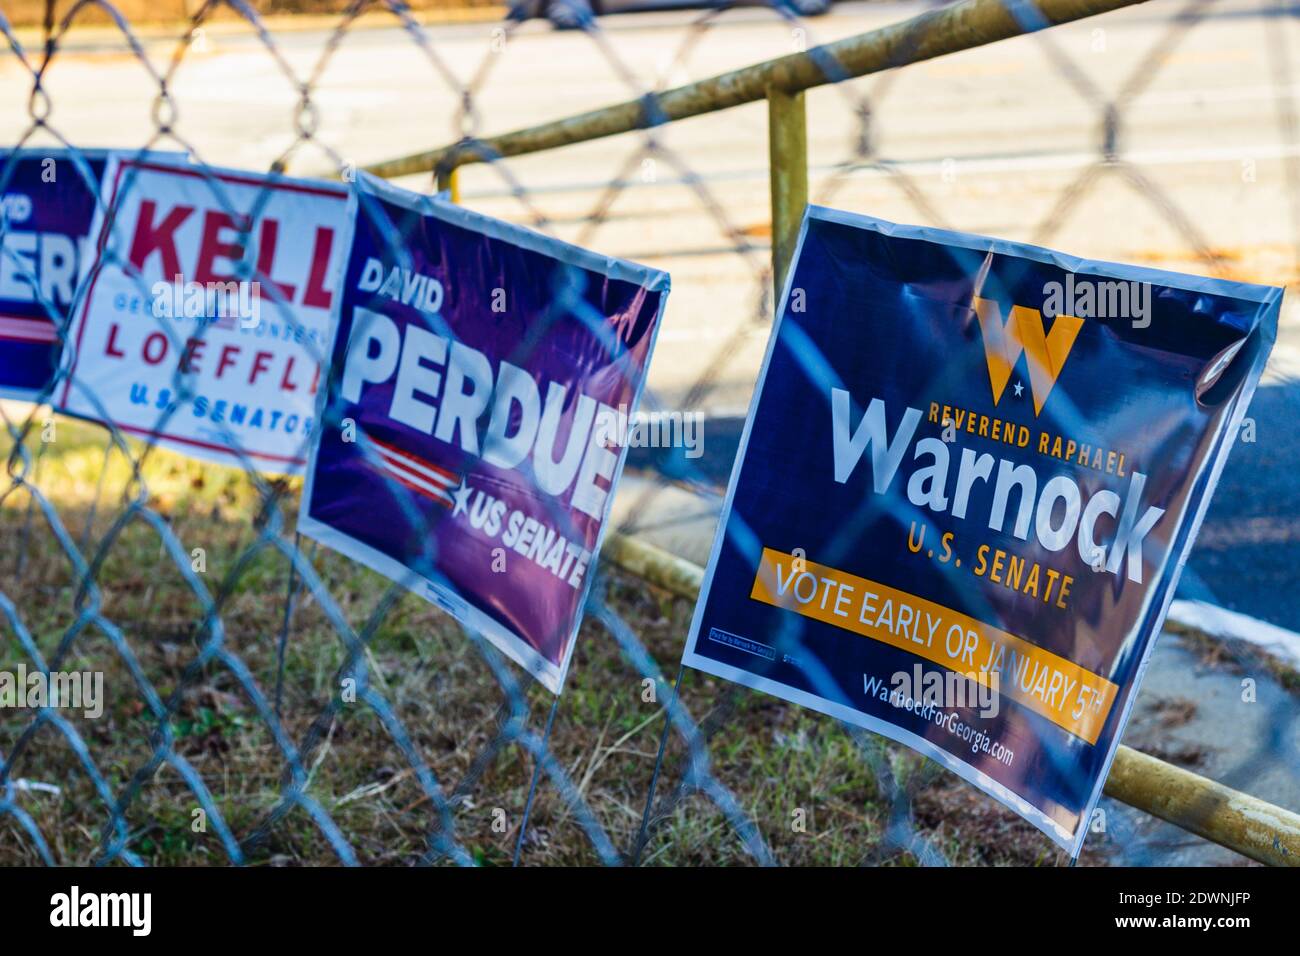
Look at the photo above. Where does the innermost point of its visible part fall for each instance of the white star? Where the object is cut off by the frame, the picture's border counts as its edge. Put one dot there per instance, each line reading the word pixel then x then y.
pixel 461 497
pixel 1019 388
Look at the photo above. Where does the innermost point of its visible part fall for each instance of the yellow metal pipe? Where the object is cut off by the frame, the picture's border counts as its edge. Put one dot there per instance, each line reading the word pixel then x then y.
pixel 1220 814
pixel 787 145
pixel 448 179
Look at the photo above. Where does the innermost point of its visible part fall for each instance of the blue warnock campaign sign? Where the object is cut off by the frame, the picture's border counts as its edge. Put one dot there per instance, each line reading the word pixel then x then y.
pixel 969 478
pixel 470 432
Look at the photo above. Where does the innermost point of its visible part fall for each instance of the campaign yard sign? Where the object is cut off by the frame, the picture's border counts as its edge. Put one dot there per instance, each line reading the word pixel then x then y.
pixel 47 206
pixel 207 312
pixel 472 432
pixel 970 475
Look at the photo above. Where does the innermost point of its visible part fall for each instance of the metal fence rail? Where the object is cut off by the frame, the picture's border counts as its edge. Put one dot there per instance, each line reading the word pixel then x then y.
pixel 229 712
pixel 962 26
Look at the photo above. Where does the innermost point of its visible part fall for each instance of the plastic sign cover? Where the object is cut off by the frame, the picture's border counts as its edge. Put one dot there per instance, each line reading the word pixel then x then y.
pixel 207 311
pixel 47 207
pixel 472 429
pixel 969 478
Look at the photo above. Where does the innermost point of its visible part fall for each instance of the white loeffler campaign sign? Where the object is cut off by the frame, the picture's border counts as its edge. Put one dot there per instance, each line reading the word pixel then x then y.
pixel 205 327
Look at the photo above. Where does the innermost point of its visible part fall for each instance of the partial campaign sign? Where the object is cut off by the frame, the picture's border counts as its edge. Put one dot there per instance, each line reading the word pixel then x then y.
pixel 207 313
pixel 47 205
pixel 472 431
pixel 969 478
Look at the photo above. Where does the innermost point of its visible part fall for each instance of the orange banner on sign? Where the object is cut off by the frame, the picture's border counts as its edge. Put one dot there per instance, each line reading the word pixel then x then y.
pixel 1070 696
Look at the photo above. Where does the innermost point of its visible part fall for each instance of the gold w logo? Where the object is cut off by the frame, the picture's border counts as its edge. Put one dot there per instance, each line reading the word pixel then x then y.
pixel 1005 340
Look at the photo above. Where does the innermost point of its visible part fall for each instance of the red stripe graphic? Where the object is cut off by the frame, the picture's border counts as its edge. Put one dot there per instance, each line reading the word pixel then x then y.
pixel 426 468
pixel 28 330
pixel 437 497
pixel 414 473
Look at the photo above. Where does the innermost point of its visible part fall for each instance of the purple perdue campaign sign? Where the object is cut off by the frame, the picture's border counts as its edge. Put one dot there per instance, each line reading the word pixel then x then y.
pixel 969 479
pixel 49 202
pixel 470 431
pixel 48 205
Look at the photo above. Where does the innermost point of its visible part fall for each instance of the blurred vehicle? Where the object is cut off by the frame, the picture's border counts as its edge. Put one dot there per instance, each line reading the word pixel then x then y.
pixel 576 14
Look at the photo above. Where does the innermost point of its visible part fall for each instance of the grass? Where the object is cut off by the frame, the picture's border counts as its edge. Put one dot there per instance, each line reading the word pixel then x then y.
pixel 782 764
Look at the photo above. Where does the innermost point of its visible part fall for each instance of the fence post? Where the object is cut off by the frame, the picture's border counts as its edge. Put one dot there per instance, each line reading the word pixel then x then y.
pixel 787 143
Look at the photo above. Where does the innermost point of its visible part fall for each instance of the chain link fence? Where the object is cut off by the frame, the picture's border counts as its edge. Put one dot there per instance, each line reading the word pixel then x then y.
pixel 279 704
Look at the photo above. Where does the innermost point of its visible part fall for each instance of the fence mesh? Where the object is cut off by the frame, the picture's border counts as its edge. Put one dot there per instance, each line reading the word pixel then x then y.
pixel 281 704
